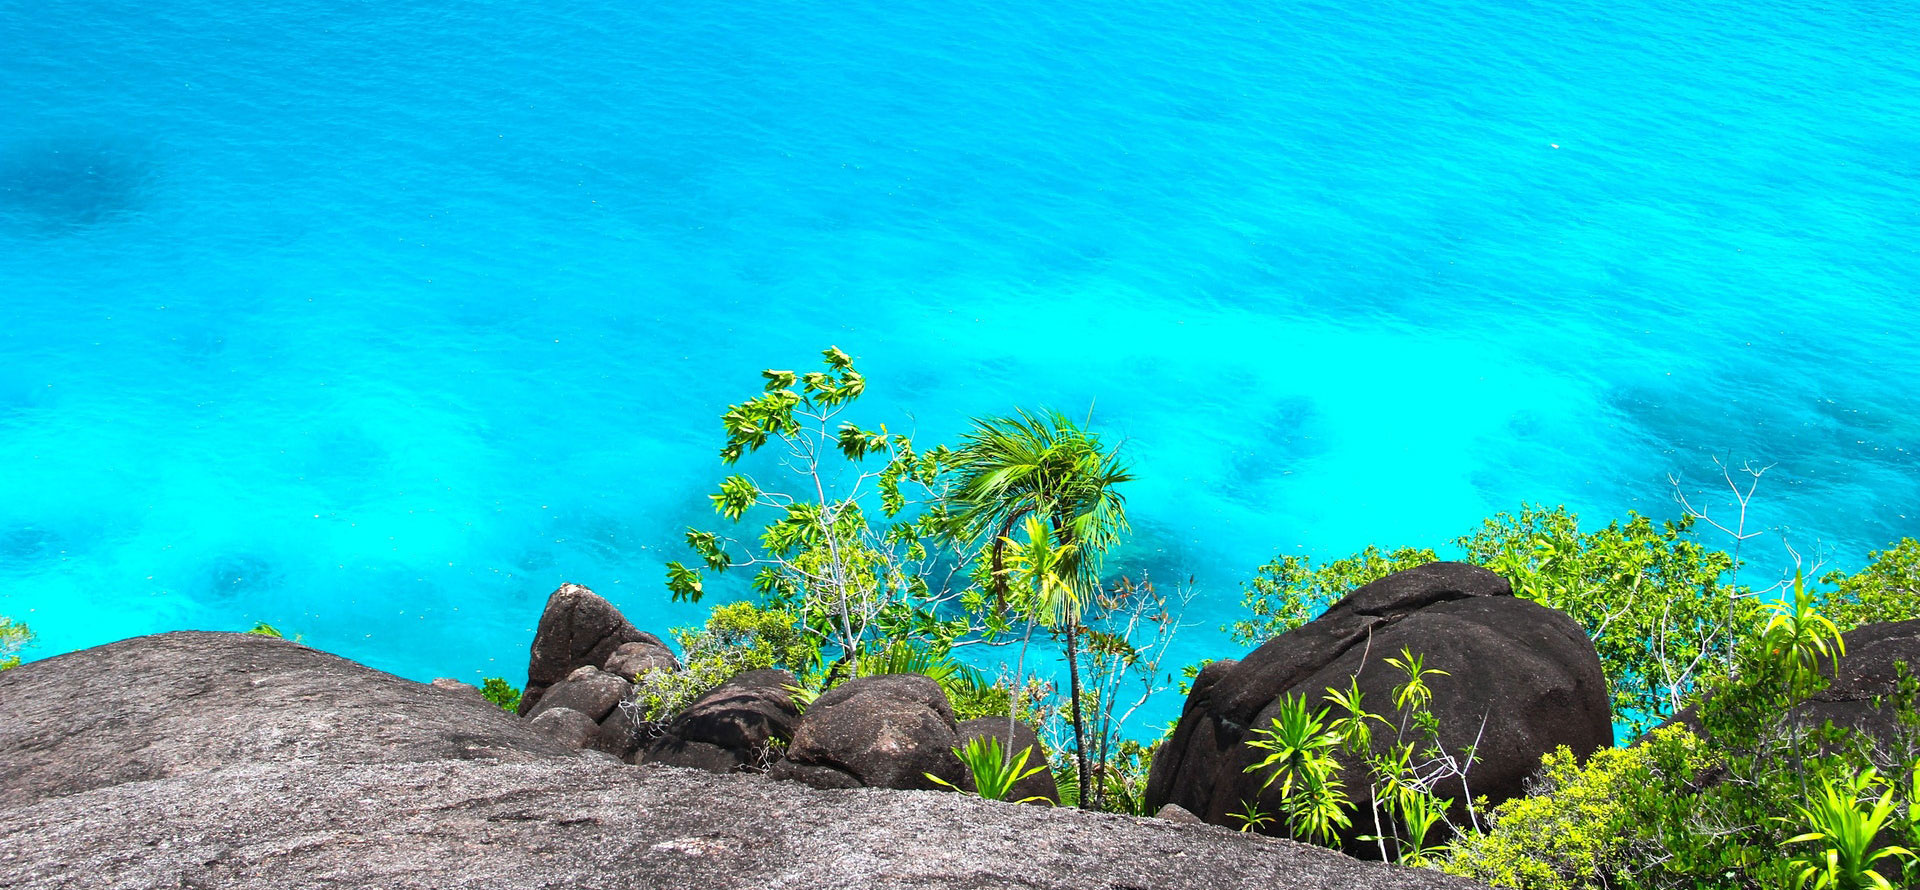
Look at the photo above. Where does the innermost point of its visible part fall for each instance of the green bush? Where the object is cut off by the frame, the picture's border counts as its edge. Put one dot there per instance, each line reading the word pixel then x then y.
pixel 1576 823
pixel 14 636
pixel 1772 801
pixel 502 693
pixel 1888 589
pixel 1291 590
pixel 736 637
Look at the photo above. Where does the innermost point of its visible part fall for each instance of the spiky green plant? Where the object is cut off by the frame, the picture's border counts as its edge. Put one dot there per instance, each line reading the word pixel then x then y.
pixel 994 773
pixel 1299 745
pixel 1845 823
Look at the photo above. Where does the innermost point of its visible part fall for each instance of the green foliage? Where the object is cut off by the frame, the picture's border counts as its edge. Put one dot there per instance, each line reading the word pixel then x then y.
pixel 502 693
pixel 1044 474
pixel 1576 821
pixel 1050 468
pixel 1844 822
pixel 1888 589
pixel 1291 590
pixel 885 558
pixel 994 772
pixel 968 690
pixel 1651 600
pixel 263 629
pixel 1300 758
pixel 1251 817
pixel 736 637
pixel 14 636
pixel 847 573
pixel 1675 813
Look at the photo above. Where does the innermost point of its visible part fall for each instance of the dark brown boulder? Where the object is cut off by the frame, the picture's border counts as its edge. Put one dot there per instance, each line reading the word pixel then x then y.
pixel 736 726
pixel 889 731
pixel 578 628
pixel 1868 671
pixel 589 690
pixel 633 659
pixel 1522 680
pixel 1040 784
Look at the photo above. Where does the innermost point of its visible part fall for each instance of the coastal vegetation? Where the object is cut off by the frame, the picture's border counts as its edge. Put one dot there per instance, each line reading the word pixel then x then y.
pixel 873 554
pixel 14 636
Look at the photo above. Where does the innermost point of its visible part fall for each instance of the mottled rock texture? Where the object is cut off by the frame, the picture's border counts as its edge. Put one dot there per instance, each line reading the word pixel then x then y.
pixel 1522 679
pixel 227 761
pixel 182 703
pixel 888 731
pixel 735 726
pixel 578 628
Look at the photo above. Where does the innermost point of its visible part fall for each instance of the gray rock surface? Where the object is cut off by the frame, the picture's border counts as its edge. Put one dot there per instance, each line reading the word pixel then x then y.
pixel 320 773
pixel 569 727
pixel 155 707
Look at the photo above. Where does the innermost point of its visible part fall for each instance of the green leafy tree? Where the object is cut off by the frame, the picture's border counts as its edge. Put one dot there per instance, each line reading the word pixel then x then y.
pixel 1291 590
pixel 501 693
pixel 1888 589
pixel 848 578
pixel 1651 599
pixel 1049 476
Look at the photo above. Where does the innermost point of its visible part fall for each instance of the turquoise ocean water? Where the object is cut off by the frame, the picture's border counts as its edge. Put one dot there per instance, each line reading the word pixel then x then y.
pixel 376 321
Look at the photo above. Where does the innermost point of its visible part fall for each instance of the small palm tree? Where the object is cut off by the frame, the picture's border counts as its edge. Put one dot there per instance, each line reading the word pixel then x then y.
pixel 1051 477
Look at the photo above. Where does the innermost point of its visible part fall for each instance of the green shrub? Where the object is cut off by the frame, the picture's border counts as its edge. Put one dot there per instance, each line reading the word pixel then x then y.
pixel 1888 589
pixel 1676 813
pixel 502 693
pixel 14 636
pixel 1575 824
pixel 994 771
pixel 736 637
pixel 1652 601
pixel 1291 590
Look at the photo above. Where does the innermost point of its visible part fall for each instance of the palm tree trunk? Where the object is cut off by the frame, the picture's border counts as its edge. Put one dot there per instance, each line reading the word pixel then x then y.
pixel 1073 687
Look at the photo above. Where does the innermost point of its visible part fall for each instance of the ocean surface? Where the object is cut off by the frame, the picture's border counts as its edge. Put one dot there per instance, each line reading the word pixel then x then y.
pixel 377 321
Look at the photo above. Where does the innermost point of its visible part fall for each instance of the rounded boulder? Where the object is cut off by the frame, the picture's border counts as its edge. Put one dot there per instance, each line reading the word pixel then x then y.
pixel 889 731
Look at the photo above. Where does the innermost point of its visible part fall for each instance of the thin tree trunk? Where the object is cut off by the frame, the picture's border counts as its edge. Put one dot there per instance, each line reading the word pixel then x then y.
pixel 1073 685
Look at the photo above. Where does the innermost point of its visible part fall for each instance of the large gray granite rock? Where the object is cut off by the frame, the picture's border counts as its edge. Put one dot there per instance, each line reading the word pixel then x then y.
pixel 180 703
pixel 887 731
pixel 226 761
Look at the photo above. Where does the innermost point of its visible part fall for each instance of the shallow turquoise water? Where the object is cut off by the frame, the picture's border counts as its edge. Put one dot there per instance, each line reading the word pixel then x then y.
pixel 378 321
